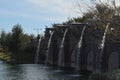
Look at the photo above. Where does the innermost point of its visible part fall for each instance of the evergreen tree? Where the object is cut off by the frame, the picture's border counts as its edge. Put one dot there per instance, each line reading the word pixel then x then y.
pixel 2 39
pixel 16 38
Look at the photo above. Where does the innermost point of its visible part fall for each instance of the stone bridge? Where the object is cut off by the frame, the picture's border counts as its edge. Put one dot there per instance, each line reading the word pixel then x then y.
pixel 89 51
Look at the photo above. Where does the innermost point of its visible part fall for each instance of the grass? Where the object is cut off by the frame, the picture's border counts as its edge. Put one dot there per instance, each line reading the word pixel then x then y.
pixel 5 56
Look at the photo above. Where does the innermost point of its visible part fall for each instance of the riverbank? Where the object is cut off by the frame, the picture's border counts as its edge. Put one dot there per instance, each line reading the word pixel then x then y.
pixel 113 75
pixel 5 57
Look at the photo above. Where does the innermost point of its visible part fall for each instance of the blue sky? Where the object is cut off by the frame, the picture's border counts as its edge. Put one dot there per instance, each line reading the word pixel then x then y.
pixel 35 13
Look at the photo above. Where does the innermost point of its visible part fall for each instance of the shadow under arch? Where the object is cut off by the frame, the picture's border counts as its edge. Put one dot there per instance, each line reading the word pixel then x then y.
pixel 90 61
pixel 113 61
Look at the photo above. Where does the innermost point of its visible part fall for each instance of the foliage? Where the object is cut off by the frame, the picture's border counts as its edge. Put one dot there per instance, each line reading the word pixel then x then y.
pixel 113 75
pixel 24 41
pixel 16 38
pixel 18 44
pixel 2 40
pixel 99 15
pixel 98 76
pixel 8 41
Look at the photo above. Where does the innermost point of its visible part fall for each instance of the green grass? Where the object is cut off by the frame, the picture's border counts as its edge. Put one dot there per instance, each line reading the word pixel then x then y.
pixel 5 56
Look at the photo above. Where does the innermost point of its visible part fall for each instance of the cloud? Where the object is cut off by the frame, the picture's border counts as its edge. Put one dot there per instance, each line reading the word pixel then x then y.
pixel 54 19
pixel 41 10
pixel 60 7
pixel 12 13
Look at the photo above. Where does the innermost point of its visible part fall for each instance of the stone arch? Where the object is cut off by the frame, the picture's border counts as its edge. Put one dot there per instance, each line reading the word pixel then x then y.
pixel 90 61
pixel 113 61
pixel 63 52
pixel 73 57
pixel 54 49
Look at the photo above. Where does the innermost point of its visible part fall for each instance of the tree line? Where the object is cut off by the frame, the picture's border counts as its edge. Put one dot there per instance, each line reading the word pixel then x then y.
pixel 19 44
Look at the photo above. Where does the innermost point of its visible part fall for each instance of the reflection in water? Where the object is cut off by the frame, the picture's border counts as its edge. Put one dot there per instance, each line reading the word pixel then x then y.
pixel 1 62
pixel 33 72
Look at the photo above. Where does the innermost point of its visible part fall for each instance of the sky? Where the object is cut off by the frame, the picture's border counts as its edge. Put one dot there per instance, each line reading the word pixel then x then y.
pixel 35 14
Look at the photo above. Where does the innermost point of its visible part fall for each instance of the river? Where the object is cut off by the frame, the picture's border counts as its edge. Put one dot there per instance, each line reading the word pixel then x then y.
pixel 36 72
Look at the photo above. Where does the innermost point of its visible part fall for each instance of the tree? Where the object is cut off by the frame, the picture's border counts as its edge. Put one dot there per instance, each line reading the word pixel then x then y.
pixel 24 41
pixel 16 41
pixel 2 40
pixel 8 41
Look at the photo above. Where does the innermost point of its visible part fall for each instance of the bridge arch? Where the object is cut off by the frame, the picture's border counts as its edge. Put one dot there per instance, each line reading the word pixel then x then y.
pixel 113 61
pixel 90 61
pixel 111 56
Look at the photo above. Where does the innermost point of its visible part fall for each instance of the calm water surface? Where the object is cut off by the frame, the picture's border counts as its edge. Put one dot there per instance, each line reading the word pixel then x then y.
pixel 35 72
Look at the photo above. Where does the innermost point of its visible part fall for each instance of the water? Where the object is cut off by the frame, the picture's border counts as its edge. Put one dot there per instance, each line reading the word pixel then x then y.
pixel 99 67
pixel 79 47
pixel 49 42
pixel 37 52
pixel 34 72
pixel 60 58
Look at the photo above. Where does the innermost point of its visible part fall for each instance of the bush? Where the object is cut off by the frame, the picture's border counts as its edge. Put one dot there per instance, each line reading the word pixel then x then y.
pixel 114 75
pixel 98 76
